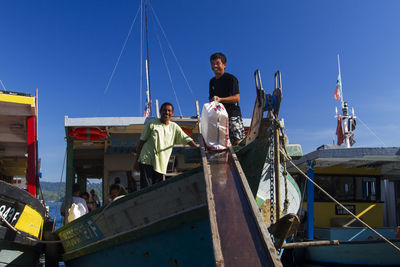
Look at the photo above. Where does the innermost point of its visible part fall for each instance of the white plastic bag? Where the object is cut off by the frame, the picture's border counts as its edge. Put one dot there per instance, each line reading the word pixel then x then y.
pixel 76 211
pixel 215 126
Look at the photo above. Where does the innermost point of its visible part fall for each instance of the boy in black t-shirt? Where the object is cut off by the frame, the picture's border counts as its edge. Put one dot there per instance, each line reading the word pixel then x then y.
pixel 224 88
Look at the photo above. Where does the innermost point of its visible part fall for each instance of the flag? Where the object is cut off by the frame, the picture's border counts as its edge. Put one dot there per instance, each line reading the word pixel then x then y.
pixel 339 131
pixel 147 112
pixel 338 89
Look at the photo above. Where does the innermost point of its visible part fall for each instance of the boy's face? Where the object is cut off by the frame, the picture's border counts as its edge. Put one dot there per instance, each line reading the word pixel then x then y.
pixel 218 67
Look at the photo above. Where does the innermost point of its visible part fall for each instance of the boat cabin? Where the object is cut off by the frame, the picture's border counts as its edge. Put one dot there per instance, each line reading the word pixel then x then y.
pixel 104 148
pixel 365 180
pixel 19 163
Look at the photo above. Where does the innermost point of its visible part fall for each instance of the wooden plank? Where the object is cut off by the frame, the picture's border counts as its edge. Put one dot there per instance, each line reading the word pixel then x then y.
pixel 216 240
pixel 261 227
pixel 14 109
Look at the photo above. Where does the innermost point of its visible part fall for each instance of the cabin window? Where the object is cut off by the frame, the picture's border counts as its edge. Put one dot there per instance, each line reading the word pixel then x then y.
pixel 347 188
pixel 369 189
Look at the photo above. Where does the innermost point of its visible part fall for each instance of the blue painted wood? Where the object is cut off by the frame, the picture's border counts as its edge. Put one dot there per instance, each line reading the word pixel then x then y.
pixel 310 201
pixel 353 233
pixel 188 245
pixel 355 253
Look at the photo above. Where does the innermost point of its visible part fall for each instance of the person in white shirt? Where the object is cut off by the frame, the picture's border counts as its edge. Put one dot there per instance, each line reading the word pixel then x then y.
pixel 76 192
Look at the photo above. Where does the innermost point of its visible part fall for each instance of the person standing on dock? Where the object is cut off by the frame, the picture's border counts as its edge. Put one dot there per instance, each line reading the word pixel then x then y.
pixel 156 142
pixel 224 88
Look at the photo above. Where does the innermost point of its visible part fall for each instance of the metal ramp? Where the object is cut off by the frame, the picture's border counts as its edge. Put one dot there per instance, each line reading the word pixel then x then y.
pixel 240 237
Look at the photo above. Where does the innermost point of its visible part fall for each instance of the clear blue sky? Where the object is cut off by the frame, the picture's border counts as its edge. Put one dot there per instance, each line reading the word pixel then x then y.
pixel 68 50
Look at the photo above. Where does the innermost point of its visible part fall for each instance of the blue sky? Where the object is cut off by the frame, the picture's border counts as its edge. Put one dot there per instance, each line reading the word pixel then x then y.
pixel 68 49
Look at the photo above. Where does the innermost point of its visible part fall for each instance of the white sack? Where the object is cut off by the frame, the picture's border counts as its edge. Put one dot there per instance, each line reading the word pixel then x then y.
pixel 76 211
pixel 215 126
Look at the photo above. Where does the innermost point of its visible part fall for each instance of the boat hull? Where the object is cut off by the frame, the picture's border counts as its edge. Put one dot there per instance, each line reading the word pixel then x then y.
pixel 188 244
pixel 27 215
pixel 359 253
pixel 164 224
pixel 19 255
pixel 358 246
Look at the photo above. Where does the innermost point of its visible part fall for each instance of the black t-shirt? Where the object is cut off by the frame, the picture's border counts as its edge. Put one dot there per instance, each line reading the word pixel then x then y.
pixel 226 85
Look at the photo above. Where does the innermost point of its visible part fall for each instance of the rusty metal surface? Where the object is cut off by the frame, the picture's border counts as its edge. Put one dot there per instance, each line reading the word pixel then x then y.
pixel 241 242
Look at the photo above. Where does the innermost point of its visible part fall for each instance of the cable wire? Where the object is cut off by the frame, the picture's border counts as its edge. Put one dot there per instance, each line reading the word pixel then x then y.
pixel 169 75
pixel 358 117
pixel 120 53
pixel 172 51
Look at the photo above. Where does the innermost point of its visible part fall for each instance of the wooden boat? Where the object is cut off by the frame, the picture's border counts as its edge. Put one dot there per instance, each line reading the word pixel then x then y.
pixel 23 215
pixel 365 181
pixel 203 214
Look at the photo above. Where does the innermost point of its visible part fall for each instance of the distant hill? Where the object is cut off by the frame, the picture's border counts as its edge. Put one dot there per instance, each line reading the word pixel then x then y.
pixel 54 191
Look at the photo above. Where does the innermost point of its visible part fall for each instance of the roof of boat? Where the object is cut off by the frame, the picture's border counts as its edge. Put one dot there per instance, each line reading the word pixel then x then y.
pixel 125 121
pixel 375 160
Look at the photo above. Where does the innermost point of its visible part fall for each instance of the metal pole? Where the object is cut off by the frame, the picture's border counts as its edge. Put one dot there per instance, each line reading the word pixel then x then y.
pixel 310 201
pixel 69 176
pixel 147 61
pixel 277 167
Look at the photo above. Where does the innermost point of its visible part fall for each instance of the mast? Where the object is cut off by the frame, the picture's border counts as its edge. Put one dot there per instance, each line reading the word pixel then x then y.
pixel 340 77
pixel 348 121
pixel 148 94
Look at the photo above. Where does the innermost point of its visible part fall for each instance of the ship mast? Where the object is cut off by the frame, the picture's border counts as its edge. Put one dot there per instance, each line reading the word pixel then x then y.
pixel 348 121
pixel 148 94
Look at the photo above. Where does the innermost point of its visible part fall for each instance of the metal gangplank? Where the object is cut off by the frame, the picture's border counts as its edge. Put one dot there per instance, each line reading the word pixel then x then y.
pixel 240 237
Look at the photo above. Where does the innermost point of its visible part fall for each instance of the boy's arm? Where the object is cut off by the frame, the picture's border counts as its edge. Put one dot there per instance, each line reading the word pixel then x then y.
pixel 229 99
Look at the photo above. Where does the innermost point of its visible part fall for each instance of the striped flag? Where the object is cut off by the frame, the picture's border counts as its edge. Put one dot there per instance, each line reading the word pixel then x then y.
pixel 147 112
pixel 338 89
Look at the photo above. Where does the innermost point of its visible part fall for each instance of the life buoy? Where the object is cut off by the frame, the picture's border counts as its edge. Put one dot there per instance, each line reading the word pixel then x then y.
pixel 187 131
pixel 90 134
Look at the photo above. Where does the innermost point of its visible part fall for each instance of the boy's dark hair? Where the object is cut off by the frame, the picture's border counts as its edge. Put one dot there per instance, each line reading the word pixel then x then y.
pixel 218 55
pixel 75 188
pixel 166 104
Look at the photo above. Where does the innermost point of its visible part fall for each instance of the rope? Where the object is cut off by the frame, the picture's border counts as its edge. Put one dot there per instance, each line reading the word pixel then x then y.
pixel 120 53
pixel 169 75
pixel 172 50
pixel 59 187
pixel 358 117
pixel 2 85
pixel 342 206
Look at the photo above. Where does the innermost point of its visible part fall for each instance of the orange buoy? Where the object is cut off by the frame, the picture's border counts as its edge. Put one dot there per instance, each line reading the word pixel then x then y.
pixel 187 131
pixel 90 134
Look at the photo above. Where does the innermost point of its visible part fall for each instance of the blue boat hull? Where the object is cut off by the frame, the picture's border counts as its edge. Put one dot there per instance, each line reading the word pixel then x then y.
pixel 356 253
pixel 188 245
pixel 358 246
